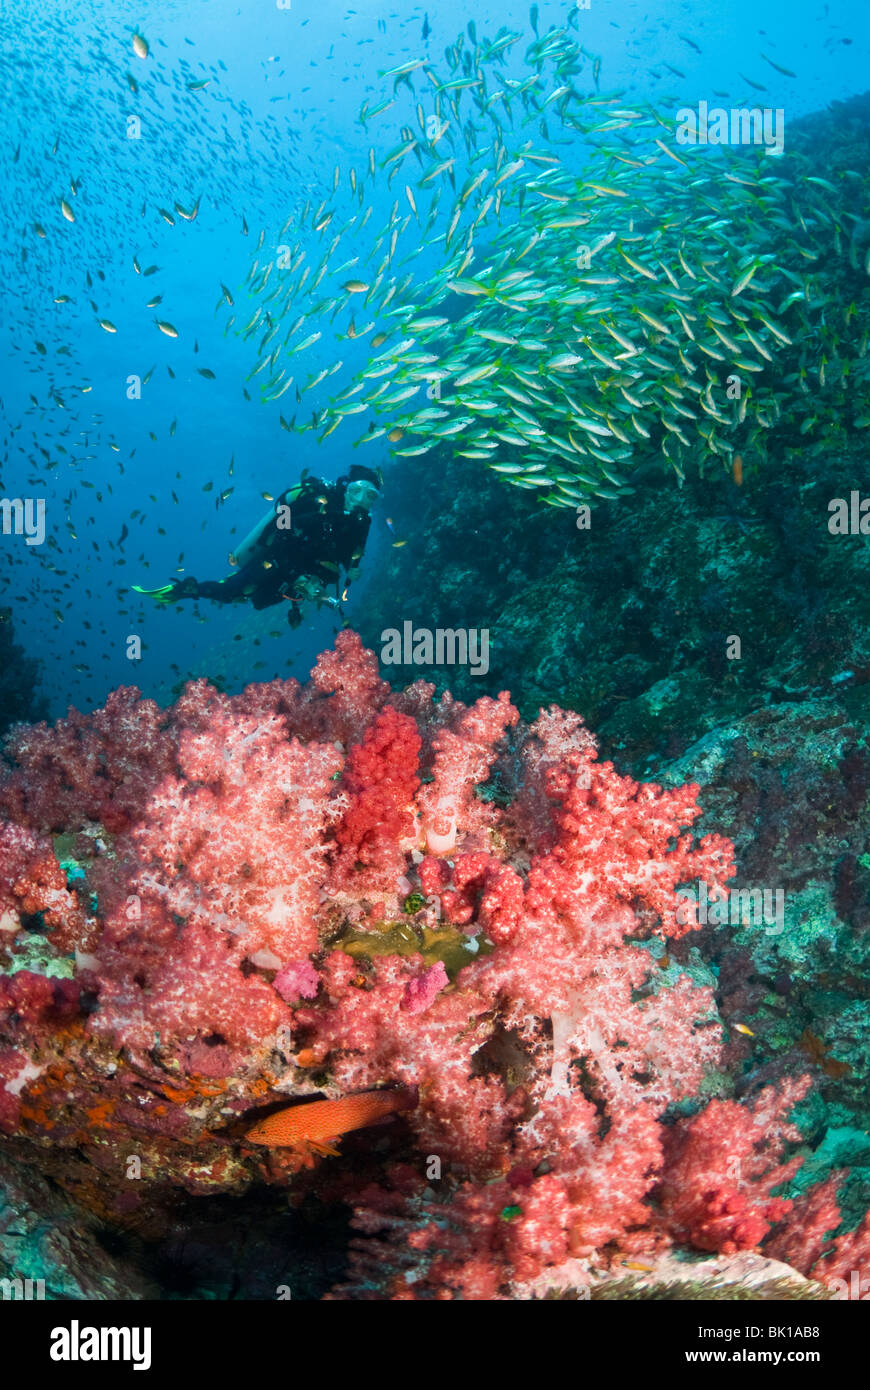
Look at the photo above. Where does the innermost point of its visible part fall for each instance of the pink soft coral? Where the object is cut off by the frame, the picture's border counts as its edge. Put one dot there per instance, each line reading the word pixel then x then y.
pixel 244 849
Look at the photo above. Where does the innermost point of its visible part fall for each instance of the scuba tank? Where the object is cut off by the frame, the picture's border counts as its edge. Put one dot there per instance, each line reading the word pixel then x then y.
pixel 249 546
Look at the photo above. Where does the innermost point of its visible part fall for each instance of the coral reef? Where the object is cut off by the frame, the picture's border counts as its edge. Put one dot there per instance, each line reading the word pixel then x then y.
pixel 43 1236
pixel 630 621
pixel 789 785
pixel 311 891
pixel 19 678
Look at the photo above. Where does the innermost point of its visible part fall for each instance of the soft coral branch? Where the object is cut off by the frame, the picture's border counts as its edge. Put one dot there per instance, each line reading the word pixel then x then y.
pixel 302 887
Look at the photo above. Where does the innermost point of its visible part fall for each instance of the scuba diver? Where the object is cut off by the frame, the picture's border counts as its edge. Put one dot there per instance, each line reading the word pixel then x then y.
pixel 297 551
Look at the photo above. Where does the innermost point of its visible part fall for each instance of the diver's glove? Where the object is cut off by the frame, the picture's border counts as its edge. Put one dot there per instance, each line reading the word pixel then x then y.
pixel 170 593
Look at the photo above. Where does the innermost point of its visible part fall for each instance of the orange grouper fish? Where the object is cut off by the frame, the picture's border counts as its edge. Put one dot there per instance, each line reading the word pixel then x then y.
pixel 312 1125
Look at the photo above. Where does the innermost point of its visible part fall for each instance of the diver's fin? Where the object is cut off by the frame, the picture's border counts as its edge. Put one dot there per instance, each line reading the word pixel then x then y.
pixel 164 594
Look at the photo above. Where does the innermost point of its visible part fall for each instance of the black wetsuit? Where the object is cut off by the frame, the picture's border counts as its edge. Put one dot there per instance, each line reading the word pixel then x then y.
pixel 321 539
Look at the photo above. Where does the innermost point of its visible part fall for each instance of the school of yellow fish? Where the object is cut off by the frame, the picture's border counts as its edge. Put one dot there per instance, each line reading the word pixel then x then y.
pixel 593 294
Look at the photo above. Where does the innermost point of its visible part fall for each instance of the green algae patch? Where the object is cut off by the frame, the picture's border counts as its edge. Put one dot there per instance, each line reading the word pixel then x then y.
pixel 446 944
pixel 33 951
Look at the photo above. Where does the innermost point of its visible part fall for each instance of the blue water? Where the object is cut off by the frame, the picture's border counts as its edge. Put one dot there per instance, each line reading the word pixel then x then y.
pixel 279 113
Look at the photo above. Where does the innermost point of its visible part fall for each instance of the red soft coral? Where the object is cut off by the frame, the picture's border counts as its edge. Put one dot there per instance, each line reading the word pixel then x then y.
pixel 256 839
pixel 380 781
pixel 722 1166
